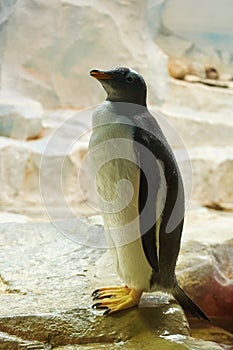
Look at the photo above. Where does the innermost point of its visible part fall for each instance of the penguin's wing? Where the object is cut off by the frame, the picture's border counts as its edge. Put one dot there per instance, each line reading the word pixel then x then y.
pixel 157 162
pixel 148 192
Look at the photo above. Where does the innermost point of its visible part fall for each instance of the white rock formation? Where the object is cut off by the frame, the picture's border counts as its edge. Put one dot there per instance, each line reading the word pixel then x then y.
pixel 203 145
pixel 212 176
pixel 36 179
pixel 20 117
pixel 46 52
pixel 202 33
pixel 50 47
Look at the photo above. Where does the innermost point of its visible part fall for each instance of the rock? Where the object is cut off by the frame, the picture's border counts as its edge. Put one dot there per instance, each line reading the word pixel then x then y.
pixel 15 343
pixel 203 146
pixel 49 302
pixel 52 65
pixel 50 172
pixel 213 333
pixel 213 166
pixel 172 45
pixel 210 82
pixel 23 172
pixel 199 129
pixel 211 73
pixel 190 78
pixel 11 217
pixel 210 43
pixel 225 77
pixel 199 99
pixel 205 263
pixel 177 69
pixel 196 68
pixel 20 117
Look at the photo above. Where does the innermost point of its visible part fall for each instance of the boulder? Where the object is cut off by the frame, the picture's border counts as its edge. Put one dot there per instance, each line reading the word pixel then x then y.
pixel 205 263
pixel 212 165
pixel 49 171
pixel 20 117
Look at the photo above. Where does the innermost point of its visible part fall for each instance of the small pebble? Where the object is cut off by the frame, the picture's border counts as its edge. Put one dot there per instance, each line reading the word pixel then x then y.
pixel 177 69
pixel 211 73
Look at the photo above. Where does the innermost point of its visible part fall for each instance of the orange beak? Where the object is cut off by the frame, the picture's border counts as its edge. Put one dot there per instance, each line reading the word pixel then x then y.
pixel 100 75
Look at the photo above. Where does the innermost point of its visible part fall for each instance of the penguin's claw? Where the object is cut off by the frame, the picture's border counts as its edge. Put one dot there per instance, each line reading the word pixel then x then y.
pixel 95 292
pixel 108 292
pixel 100 296
pixel 116 298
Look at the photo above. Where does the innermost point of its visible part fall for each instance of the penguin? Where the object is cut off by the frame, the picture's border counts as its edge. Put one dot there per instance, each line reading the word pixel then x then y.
pixel 140 192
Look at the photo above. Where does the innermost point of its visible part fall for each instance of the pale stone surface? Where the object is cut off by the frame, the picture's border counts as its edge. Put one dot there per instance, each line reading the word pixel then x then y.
pixel 51 63
pixel 207 27
pixel 212 176
pixel 46 52
pixel 50 48
pixel 48 282
pixel 20 117
pixel 11 217
pixel 197 97
pixel 197 68
pixel 34 175
pixel 56 166
pixel 196 129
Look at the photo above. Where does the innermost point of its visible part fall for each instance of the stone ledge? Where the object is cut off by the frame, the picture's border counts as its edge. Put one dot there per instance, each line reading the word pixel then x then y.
pixel 49 281
pixel 20 117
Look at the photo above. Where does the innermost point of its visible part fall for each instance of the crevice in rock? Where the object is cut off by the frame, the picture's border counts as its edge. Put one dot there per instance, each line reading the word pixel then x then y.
pixel 3 281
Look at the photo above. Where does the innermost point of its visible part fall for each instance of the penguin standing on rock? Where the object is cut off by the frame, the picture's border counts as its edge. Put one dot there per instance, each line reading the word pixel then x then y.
pixel 141 194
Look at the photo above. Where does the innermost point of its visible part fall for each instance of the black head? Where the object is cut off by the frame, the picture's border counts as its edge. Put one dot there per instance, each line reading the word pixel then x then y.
pixel 122 85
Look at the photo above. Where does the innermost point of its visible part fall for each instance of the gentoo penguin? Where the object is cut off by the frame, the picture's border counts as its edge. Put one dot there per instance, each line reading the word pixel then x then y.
pixel 141 194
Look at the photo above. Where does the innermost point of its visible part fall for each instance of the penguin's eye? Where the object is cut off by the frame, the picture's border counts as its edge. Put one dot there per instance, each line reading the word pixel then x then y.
pixel 129 79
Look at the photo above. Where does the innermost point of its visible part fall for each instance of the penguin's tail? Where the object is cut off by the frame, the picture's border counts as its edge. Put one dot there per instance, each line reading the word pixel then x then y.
pixel 188 304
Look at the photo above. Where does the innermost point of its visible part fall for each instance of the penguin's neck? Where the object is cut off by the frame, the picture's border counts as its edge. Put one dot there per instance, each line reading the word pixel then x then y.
pixel 126 96
pixel 126 100
pixel 126 108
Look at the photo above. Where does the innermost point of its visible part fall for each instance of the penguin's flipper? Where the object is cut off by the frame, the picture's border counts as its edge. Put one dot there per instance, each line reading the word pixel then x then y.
pixel 166 179
pixel 148 190
pixel 188 304
pixel 113 299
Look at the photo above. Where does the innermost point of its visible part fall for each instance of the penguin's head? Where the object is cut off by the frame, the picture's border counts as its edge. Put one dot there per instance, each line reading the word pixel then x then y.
pixel 122 85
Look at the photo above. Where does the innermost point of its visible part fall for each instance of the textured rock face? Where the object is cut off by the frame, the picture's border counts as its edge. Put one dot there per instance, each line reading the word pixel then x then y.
pixel 47 283
pixel 46 51
pixel 48 171
pixel 205 262
pixel 20 117
pixel 48 56
pixel 56 166
pixel 216 165
pixel 50 47
pixel 202 37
